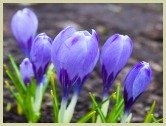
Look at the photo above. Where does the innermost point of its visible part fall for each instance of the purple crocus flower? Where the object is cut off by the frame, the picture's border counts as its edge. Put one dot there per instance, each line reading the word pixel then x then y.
pixel 114 55
pixel 136 83
pixel 74 55
pixel 24 25
pixel 26 70
pixel 40 55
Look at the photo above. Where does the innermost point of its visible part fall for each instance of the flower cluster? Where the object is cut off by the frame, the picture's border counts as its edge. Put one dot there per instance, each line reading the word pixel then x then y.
pixel 74 55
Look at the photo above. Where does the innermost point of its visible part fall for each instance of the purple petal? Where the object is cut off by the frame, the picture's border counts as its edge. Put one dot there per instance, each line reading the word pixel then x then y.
pixel 142 80
pixel 77 55
pixel 24 26
pixel 71 56
pixel 136 82
pixel 41 54
pixel 26 70
pixel 61 37
pixel 115 54
pixel 129 80
pixel 92 54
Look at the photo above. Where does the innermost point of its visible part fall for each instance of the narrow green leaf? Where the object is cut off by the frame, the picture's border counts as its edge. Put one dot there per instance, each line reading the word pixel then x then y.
pixel 17 96
pixel 86 117
pixel 48 76
pixel 159 120
pixel 17 73
pixel 110 97
pixel 8 107
pixel 19 109
pixel 119 111
pixel 118 93
pixel 94 115
pixel 98 108
pixel 116 111
pixel 148 118
pixel 54 97
pixel 11 76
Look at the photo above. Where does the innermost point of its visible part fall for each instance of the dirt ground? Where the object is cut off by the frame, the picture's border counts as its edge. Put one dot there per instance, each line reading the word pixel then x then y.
pixel 142 22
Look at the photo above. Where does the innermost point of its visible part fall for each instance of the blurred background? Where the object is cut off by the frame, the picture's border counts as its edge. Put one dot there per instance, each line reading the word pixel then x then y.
pixel 142 22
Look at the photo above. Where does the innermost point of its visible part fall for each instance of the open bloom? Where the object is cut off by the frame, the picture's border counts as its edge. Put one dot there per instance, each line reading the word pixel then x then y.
pixel 24 25
pixel 114 55
pixel 74 55
pixel 136 83
pixel 40 55
pixel 26 70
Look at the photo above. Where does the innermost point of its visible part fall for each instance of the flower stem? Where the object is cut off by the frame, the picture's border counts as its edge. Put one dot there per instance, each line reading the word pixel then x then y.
pixel 125 116
pixel 104 108
pixel 62 110
pixel 38 97
pixel 70 109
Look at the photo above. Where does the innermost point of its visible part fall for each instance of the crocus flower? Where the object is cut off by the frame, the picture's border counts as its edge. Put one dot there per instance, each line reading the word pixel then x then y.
pixel 74 55
pixel 114 55
pixel 24 26
pixel 40 55
pixel 136 83
pixel 26 70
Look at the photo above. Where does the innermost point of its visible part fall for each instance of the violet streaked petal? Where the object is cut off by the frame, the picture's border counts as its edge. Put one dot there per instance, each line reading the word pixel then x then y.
pixel 77 55
pixel 92 55
pixel 142 80
pixel 129 80
pixel 41 54
pixel 136 82
pixel 26 70
pixel 114 56
pixel 61 37
pixel 24 25
pixel 71 53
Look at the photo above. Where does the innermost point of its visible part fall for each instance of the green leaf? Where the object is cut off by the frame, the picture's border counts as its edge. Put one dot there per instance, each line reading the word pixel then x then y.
pixel 48 75
pixel 118 107
pixel 8 107
pixel 98 108
pixel 110 97
pixel 54 97
pixel 19 109
pixel 118 112
pixel 94 115
pixel 118 93
pixel 86 117
pixel 17 73
pixel 158 121
pixel 13 78
pixel 17 96
pixel 149 118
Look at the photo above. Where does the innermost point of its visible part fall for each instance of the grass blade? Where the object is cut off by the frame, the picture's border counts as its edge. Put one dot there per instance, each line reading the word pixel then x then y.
pixel 98 108
pixel 86 117
pixel 17 73
pixel 54 97
pixel 148 118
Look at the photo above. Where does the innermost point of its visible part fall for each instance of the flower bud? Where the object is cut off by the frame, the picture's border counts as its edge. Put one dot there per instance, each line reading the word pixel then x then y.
pixel 114 55
pixel 26 70
pixel 24 25
pixel 136 83
pixel 74 55
pixel 40 55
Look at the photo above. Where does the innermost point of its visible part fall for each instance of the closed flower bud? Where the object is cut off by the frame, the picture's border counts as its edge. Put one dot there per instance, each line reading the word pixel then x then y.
pixel 136 83
pixel 114 55
pixel 26 70
pixel 74 55
pixel 40 55
pixel 24 26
